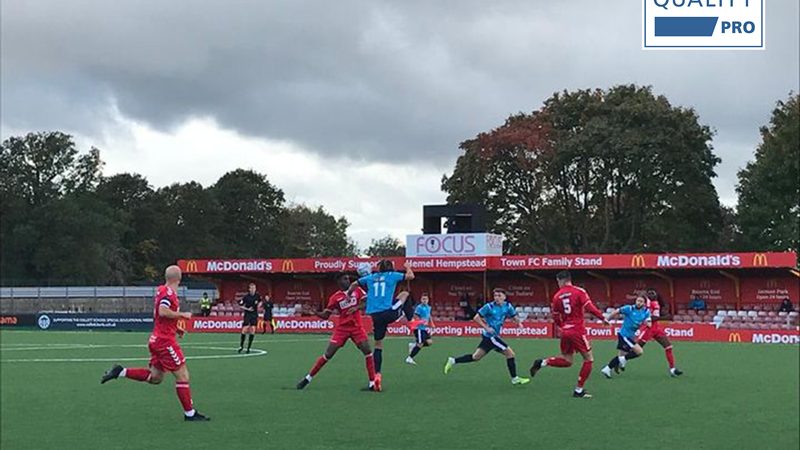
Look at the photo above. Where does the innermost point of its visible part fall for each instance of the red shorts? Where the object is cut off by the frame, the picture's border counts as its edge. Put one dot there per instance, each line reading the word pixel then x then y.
pixel 165 355
pixel 575 342
pixel 341 335
pixel 651 333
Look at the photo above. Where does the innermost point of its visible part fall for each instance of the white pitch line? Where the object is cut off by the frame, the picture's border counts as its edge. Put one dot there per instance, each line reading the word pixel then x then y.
pixel 238 355
pixel 189 344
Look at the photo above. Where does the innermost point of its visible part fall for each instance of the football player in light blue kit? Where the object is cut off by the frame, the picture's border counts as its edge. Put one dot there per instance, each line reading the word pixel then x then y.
pixel 634 316
pixel 491 318
pixel 422 333
pixel 383 306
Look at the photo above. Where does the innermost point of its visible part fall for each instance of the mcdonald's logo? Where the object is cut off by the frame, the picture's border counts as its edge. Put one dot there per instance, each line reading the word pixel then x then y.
pixel 181 324
pixel 637 261
pixel 734 337
pixel 287 265
pixel 705 284
pixel 639 285
pixel 191 266
pixel 772 283
pixel 760 259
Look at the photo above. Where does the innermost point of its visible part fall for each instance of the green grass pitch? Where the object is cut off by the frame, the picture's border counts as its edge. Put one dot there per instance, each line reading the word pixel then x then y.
pixel 732 396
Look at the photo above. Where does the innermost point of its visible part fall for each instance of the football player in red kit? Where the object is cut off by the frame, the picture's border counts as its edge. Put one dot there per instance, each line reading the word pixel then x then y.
pixel 568 307
pixel 165 353
pixel 655 331
pixel 348 326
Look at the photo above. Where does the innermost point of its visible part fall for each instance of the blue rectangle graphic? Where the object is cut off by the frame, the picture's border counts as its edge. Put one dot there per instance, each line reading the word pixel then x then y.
pixel 685 26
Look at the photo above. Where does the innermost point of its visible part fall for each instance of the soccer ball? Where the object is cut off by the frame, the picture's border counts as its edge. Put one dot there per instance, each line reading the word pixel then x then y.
pixel 364 269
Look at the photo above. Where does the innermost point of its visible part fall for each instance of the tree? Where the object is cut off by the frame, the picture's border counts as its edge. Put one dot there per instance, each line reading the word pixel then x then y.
pixel 619 170
pixel 187 220
pixel 315 233
pixel 386 246
pixel 76 241
pixel 252 209
pixel 769 187
pixel 132 199
pixel 44 166
pixel 41 176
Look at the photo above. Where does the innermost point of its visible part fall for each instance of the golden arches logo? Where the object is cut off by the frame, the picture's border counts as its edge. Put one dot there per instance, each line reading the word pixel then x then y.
pixel 191 266
pixel 734 337
pixel 760 259
pixel 287 265
pixel 772 283
pixel 637 261
pixel 639 285
pixel 181 324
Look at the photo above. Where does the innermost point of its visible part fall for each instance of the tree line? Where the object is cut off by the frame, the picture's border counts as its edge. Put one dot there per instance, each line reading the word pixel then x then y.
pixel 623 170
pixel 616 170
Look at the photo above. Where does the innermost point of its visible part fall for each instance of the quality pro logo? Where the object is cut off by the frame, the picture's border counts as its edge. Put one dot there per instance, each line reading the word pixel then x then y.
pixel 703 24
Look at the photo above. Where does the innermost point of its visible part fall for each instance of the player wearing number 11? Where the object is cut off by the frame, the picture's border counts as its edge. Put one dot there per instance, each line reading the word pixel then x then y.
pixel 383 306
pixel 568 308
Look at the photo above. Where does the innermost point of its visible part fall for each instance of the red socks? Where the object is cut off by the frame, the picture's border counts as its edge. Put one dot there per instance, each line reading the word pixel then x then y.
pixel 370 362
pixel 138 374
pixel 318 365
pixel 583 375
pixel 557 361
pixel 670 358
pixel 184 395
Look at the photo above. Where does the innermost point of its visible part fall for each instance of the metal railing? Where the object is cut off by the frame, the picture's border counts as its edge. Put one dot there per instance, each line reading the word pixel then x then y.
pixel 99 292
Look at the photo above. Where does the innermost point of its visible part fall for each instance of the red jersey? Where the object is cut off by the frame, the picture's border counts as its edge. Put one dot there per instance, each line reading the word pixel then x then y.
pixel 347 308
pixel 163 327
pixel 568 308
pixel 655 313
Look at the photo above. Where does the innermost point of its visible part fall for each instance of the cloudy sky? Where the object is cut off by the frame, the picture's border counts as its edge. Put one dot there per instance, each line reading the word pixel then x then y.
pixel 355 106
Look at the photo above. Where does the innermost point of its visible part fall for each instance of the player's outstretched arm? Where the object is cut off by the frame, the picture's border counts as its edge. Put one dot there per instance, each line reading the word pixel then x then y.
pixel 592 308
pixel 324 314
pixel 409 272
pixel 613 315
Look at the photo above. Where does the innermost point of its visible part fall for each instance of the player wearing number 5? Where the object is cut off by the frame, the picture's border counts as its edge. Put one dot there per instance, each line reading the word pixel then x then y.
pixel 383 306
pixel 568 308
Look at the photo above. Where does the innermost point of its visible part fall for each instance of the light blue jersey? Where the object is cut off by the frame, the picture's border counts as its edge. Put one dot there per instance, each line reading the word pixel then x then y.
pixel 633 320
pixel 424 313
pixel 380 289
pixel 495 315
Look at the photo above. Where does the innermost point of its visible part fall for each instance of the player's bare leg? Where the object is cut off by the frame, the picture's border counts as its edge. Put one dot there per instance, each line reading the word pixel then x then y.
pixel 185 395
pixel 667 345
pixel 321 361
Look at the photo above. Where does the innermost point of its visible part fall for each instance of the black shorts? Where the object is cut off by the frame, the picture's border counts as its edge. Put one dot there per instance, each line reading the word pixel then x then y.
pixel 381 320
pixel 624 343
pixel 250 320
pixel 268 317
pixel 421 335
pixel 492 343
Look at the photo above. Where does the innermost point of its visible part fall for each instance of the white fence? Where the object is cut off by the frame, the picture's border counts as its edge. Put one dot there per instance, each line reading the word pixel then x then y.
pixel 99 292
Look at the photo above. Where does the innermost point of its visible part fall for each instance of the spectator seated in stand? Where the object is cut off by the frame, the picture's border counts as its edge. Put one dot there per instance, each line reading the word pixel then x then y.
pixel 697 304
pixel 786 306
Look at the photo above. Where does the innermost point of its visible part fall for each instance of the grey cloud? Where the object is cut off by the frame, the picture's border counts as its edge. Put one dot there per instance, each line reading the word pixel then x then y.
pixel 389 81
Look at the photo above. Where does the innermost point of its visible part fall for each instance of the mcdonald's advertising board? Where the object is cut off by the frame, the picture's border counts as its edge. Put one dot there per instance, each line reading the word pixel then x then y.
pixel 530 329
pixel 650 261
